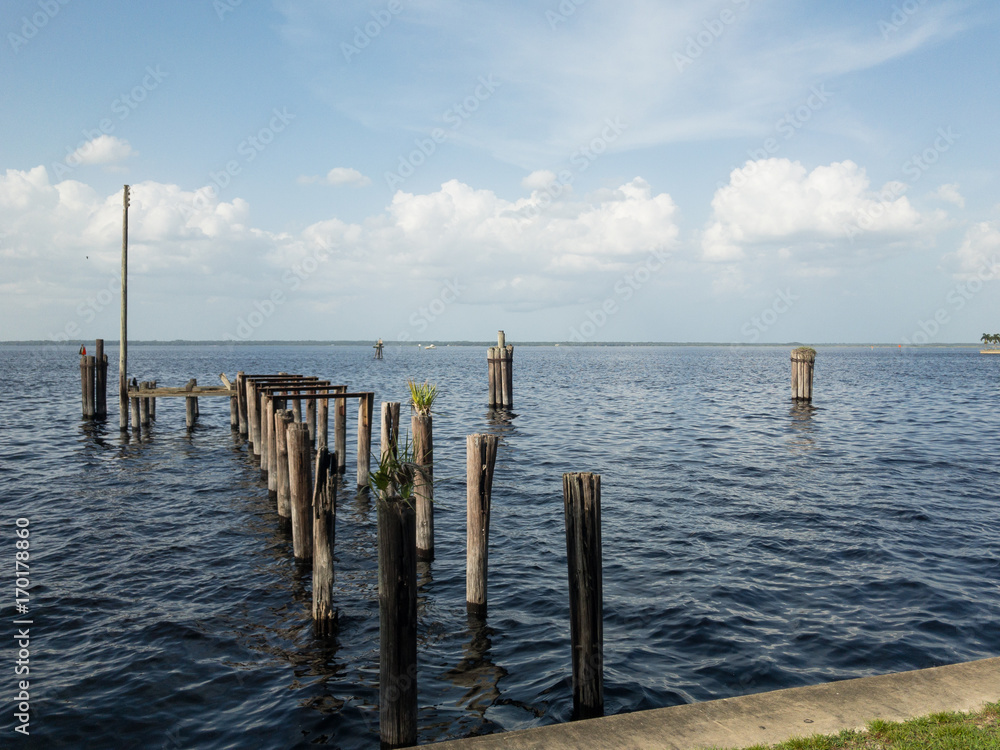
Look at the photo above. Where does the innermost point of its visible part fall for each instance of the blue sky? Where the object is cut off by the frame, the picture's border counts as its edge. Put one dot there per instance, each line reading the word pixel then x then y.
pixel 744 171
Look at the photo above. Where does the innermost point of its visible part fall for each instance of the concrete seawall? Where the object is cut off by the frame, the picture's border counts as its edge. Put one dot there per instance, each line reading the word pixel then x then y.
pixel 767 717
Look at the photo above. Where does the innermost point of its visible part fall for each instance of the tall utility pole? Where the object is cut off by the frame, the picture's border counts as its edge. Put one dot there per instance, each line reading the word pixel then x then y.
pixel 123 336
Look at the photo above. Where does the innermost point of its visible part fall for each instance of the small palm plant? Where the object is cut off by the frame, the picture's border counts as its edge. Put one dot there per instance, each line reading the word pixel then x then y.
pixel 396 474
pixel 422 396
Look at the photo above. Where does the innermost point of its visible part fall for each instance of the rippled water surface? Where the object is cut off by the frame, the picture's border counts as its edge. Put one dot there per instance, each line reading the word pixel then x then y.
pixel 748 544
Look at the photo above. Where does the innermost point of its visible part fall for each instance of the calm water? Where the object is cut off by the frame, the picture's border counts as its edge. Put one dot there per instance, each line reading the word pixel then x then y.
pixel 748 545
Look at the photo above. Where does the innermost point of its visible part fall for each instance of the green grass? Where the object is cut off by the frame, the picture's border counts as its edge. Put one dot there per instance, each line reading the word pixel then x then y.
pixel 945 731
pixel 422 396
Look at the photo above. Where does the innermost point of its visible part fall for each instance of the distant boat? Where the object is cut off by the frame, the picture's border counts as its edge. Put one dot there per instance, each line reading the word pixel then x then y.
pixel 430 346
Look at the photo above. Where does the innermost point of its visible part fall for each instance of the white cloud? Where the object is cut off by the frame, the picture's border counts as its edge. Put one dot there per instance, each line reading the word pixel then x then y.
pixel 778 200
pixel 105 149
pixel 538 179
pixel 949 193
pixel 979 253
pixel 338 176
pixel 189 251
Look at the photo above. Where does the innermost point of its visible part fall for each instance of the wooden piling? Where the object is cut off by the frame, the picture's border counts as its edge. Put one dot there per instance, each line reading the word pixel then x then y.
pixel 265 428
pixel 282 419
pixel 422 429
pixel 272 447
pixel 191 405
pixel 481 454
pixel 582 507
pixel 241 401
pixel 136 416
pixel 144 406
pixel 324 509
pixel 397 596
pixel 322 425
pixel 340 429
pixel 252 417
pixel 365 405
pixel 152 403
pixel 123 331
pixel 234 413
pixel 491 366
pixel 300 488
pixel 390 429
pixel 311 420
pixel 87 368
pixel 100 380
pixel 803 360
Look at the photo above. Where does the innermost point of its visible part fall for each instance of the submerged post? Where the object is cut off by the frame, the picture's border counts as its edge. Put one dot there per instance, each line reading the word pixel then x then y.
pixel 300 486
pixel 582 506
pixel 324 508
pixel 422 428
pixel 397 599
pixel 803 360
pixel 481 455
pixel 123 330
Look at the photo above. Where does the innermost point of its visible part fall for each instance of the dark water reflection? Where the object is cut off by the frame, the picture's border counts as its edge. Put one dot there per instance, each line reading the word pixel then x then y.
pixel 749 543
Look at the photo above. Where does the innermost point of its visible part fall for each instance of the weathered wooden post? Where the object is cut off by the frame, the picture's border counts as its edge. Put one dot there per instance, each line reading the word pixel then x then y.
pixel 123 330
pixel 311 420
pixel 101 381
pixel 300 487
pixel 87 386
pixel 340 429
pixel 190 405
pixel 152 402
pixel 422 428
pixel 265 428
pixel 144 406
pixel 390 429
pixel 322 424
pixel 582 506
pixel 324 508
pixel 241 396
pixel 282 419
pixel 366 404
pixel 136 415
pixel 491 368
pixel 252 417
pixel 397 598
pixel 481 455
pixel 803 360
pixel 272 447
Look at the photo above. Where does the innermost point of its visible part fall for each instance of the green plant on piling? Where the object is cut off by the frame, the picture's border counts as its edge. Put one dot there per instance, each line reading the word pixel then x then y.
pixel 422 396
pixel 396 474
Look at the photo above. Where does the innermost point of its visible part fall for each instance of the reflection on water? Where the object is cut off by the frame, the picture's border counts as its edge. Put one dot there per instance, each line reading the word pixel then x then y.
pixel 801 438
pixel 476 674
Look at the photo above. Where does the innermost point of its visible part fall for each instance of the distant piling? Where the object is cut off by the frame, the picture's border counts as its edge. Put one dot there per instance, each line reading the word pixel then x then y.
pixel 100 381
pixel 481 454
pixel 340 429
pixel 500 359
pixel 365 405
pixel 582 508
pixel 282 420
pixel 322 425
pixel 87 377
pixel 803 360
